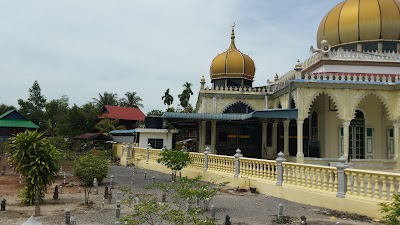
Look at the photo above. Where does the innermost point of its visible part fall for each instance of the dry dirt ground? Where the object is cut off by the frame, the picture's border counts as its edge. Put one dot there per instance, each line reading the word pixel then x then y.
pixel 244 208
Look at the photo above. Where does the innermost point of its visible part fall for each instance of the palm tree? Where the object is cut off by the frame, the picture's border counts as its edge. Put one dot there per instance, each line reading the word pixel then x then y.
pixel 186 93
pixel 131 100
pixel 106 99
pixel 106 125
pixel 168 99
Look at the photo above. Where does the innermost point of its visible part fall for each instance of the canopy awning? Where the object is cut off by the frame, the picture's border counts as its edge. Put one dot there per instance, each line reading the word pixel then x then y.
pixel 190 120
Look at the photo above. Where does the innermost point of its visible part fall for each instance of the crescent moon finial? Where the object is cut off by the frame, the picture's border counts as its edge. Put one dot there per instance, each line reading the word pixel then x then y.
pixel 233 24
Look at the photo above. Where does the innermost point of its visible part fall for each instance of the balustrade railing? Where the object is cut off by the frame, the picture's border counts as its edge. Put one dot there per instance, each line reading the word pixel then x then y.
pixel 323 178
pixel 258 168
pixel 372 184
pixel 197 160
pixel 221 163
pixel 153 154
pixel 140 153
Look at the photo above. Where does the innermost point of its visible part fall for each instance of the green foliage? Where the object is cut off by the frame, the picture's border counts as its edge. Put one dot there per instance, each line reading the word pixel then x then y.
pixel 132 100
pixel 391 210
pixel 5 108
pixel 155 112
pixel 106 125
pixel 106 99
pixel 36 160
pixel 173 159
pixel 88 167
pixel 186 93
pixel 168 99
pixel 33 107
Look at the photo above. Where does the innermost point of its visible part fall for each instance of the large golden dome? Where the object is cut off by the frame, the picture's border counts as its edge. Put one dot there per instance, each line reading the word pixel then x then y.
pixel 361 21
pixel 232 64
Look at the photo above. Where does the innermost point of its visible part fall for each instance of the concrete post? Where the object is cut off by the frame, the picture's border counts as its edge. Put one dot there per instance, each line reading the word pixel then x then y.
pixel 118 208
pixel 206 152
pixel 95 186
pixel 128 153
pixel 280 160
pixel 112 182
pixel 148 152
pixel 212 212
pixel 237 162
pixel 67 216
pixel 342 177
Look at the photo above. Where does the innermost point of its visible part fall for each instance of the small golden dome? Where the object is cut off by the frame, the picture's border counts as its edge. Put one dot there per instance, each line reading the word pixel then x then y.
pixel 361 21
pixel 232 63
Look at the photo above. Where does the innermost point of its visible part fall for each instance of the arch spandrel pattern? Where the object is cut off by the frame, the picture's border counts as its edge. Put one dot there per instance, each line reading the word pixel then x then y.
pixel 283 100
pixel 383 96
pixel 312 94
pixel 236 102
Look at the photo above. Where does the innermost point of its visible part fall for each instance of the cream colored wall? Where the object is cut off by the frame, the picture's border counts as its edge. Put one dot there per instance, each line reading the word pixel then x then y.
pixel 220 103
pixel 143 137
pixel 117 150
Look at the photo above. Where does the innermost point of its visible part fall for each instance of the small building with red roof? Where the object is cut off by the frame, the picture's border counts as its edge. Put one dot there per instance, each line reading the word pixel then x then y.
pixel 126 116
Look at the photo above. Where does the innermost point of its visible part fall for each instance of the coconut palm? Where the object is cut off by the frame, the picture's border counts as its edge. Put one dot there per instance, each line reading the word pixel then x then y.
pixel 106 99
pixel 131 99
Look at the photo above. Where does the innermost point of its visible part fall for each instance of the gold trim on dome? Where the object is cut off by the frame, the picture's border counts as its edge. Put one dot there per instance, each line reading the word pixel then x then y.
pixel 369 20
pixel 348 21
pixel 390 19
pixel 360 21
pixel 331 30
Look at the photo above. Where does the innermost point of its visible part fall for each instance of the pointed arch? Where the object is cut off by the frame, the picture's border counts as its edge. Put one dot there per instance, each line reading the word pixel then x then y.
pixel 236 103
pixel 379 96
pixel 331 98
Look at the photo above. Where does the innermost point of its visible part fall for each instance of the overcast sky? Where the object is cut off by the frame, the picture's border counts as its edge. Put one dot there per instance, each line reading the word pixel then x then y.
pixel 80 48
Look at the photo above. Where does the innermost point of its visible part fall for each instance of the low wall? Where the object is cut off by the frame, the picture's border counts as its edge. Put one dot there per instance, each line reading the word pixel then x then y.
pixel 326 199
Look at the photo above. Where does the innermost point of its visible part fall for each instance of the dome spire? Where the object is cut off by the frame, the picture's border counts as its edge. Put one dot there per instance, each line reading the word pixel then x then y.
pixel 233 35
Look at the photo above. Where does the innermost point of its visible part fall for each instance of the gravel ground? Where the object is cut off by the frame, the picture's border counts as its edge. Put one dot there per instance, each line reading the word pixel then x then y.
pixel 243 208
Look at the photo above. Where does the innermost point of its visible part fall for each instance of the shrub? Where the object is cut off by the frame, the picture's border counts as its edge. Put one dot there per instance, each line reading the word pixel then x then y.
pixel 88 167
pixel 391 210
pixel 175 160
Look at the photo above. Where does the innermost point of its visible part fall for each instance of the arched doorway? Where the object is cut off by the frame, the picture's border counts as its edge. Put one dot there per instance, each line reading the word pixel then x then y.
pixel 357 136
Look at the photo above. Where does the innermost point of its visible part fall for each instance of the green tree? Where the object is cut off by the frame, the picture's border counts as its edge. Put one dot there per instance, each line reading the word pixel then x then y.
pixel 81 119
pixel 175 160
pixel 132 100
pixel 56 115
pixel 36 160
pixel 168 99
pixel 5 108
pixel 33 107
pixel 88 167
pixel 106 125
pixel 186 93
pixel 155 112
pixel 106 99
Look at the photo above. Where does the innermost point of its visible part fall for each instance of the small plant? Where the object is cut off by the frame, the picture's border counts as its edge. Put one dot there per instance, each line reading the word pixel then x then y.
pixel 175 160
pixel 391 210
pixel 88 167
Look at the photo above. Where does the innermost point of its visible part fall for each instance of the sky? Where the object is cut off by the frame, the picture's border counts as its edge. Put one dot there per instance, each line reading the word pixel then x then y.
pixel 81 48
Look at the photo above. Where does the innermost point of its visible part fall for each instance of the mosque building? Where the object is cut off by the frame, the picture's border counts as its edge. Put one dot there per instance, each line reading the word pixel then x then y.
pixel 343 100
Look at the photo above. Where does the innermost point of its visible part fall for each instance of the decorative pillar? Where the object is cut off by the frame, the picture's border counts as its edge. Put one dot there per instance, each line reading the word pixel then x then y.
pixel 280 160
pixel 237 162
pixel 300 154
pixel 206 152
pixel 286 137
pixel 264 133
pixel 203 135
pixel 266 102
pixel 342 177
pixel 396 136
pixel 274 140
pixel 346 137
pixel 213 136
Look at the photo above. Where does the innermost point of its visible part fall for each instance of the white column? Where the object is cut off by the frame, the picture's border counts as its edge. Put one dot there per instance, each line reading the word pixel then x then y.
pixel 396 134
pixel 213 136
pixel 286 137
pixel 346 138
pixel 300 154
pixel 274 140
pixel 264 133
pixel 203 136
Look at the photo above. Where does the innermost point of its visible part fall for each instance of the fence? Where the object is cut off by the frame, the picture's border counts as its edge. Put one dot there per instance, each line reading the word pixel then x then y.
pixel 370 185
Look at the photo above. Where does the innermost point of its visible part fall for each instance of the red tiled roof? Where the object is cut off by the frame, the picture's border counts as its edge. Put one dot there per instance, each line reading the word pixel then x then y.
pixel 122 113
